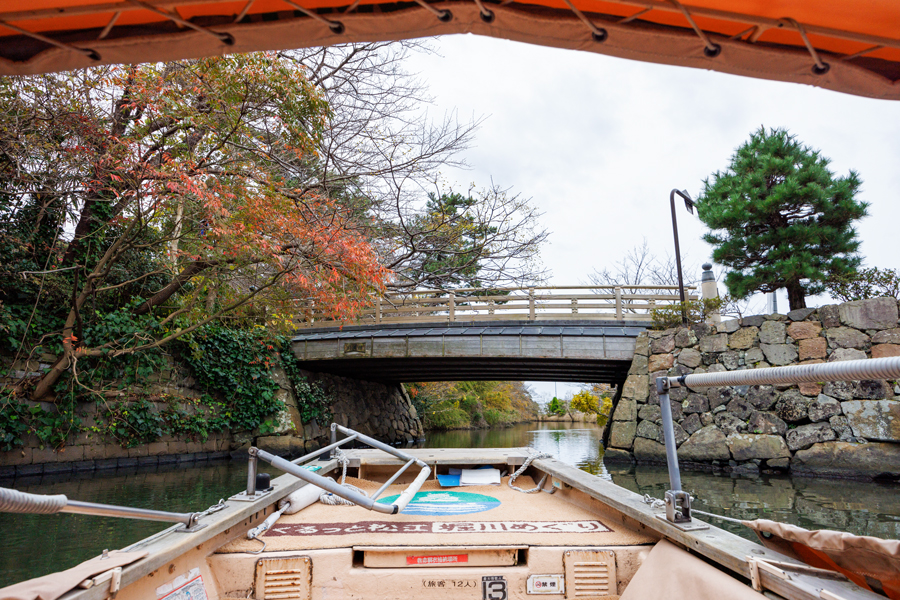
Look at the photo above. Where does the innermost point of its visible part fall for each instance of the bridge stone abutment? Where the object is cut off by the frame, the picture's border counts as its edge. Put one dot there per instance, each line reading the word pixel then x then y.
pixel 378 409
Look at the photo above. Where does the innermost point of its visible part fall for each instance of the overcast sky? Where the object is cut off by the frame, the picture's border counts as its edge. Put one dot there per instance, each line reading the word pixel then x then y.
pixel 598 142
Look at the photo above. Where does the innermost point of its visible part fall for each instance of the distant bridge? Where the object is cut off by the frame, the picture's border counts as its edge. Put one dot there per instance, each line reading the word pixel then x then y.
pixel 579 334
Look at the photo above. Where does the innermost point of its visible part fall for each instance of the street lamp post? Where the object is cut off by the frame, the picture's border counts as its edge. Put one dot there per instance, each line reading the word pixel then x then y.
pixel 689 205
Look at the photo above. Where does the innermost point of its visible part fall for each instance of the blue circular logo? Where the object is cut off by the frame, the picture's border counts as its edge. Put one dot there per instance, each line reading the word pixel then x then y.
pixel 445 503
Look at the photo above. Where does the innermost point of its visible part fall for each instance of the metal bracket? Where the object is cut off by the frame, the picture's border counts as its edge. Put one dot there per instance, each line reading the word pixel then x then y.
pixel 678 512
pixel 193 525
pixel 692 525
pixel 244 497
pixel 678 506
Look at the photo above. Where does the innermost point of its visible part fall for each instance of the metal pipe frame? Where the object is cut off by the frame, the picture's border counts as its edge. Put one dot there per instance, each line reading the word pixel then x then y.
pixel 127 512
pixel 328 448
pixel 335 488
pixel 251 476
pixel 329 485
pixel 393 478
pixel 380 445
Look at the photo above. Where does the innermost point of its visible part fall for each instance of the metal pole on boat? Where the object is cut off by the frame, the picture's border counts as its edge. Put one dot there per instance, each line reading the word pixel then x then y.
pixel 678 502
pixel 333 439
pixel 127 512
pixel 665 407
pixel 14 501
pixel 251 474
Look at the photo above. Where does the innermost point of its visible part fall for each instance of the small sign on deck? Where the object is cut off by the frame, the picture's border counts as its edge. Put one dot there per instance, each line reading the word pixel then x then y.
pixel 449 584
pixel 441 559
pixel 546 584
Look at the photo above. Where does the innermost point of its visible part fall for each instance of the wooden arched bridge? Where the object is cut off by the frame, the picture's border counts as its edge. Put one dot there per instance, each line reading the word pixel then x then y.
pixel 579 333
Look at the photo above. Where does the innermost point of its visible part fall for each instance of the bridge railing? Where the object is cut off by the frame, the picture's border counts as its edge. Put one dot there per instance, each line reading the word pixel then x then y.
pixel 632 302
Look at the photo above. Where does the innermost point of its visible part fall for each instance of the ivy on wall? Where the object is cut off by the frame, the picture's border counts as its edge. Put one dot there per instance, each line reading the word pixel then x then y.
pixel 237 365
pixel 312 401
pixel 19 419
pixel 233 366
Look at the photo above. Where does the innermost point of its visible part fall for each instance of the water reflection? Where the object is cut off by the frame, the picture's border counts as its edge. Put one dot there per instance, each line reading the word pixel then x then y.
pixel 34 545
pixel 572 443
pixel 861 508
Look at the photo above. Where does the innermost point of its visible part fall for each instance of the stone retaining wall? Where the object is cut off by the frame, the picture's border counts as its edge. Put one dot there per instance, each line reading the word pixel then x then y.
pixel 379 410
pixel 835 429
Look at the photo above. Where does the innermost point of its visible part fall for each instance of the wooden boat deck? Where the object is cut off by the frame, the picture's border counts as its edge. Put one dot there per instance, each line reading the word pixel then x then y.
pixel 457 516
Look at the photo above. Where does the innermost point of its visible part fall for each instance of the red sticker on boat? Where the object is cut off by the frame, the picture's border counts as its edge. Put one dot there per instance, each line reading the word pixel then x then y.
pixel 437 560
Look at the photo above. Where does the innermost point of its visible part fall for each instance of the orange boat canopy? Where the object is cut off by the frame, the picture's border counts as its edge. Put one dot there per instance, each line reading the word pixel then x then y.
pixel 851 46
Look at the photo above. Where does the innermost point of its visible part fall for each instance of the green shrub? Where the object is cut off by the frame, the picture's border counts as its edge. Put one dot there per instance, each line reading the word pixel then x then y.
pixel 19 419
pixel 449 418
pixel 312 401
pixel 499 417
pixel 865 284
pixel 556 407
pixel 670 315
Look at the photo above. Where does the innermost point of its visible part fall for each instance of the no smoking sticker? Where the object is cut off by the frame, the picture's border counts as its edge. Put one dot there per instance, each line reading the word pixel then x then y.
pixel 546 584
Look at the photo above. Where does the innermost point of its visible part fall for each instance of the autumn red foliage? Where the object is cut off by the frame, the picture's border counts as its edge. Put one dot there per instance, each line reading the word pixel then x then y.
pixel 175 192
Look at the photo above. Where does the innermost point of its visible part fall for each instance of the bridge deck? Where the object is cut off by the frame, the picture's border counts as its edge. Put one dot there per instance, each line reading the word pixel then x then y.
pixel 513 350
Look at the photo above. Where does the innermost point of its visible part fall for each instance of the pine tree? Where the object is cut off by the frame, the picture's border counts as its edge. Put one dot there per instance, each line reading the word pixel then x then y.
pixel 778 216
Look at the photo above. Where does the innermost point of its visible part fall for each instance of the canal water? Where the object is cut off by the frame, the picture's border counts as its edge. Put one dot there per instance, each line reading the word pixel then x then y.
pixel 34 545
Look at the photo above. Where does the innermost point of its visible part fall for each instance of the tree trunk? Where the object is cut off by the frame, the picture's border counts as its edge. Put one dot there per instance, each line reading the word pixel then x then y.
pixel 176 284
pixel 796 296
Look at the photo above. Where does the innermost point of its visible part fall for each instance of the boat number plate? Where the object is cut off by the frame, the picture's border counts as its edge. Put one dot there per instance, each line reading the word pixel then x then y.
pixel 493 587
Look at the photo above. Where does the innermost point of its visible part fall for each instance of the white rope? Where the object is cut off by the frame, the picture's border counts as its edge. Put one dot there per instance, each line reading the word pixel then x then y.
pixel 442 15
pixel 729 519
pixel 333 500
pixel 712 49
pixel 599 33
pixel 486 15
pixel 92 54
pixel 173 16
pixel 335 26
pixel 532 456
pixel 820 65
